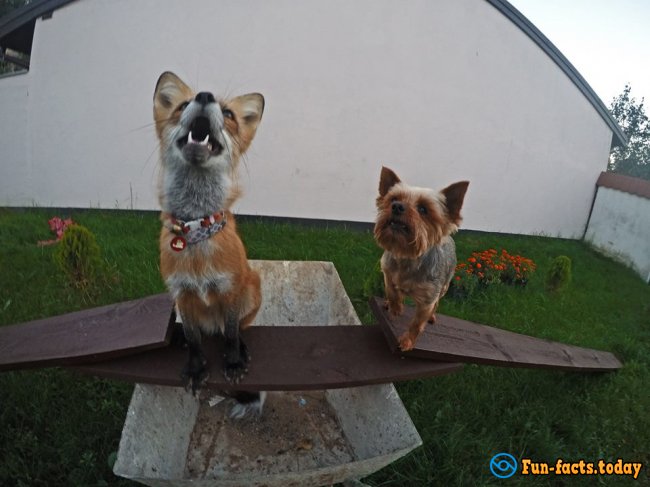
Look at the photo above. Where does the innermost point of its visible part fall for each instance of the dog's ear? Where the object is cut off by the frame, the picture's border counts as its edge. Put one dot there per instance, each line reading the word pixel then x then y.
pixel 170 92
pixel 454 197
pixel 387 180
pixel 248 110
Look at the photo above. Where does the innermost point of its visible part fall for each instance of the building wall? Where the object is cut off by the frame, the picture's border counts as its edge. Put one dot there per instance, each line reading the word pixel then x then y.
pixel 620 227
pixel 15 161
pixel 438 90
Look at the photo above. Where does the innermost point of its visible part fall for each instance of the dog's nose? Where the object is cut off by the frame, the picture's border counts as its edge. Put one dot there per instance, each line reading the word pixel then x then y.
pixel 205 97
pixel 397 207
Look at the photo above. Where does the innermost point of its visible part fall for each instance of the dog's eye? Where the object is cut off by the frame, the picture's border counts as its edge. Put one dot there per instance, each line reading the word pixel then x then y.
pixel 182 106
pixel 227 113
pixel 422 210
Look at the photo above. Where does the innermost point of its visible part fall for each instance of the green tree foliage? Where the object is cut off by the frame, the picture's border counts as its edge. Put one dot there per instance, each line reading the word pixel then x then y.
pixel 633 159
pixel 7 6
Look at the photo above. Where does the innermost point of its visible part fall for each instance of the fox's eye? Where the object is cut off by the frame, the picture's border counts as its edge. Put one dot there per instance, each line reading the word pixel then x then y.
pixel 182 106
pixel 227 113
pixel 422 210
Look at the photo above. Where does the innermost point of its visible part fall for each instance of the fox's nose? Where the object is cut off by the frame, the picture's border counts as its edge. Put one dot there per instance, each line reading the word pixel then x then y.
pixel 397 207
pixel 204 98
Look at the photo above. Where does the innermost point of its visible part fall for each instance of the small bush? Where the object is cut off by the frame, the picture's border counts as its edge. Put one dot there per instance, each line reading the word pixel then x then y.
pixel 559 274
pixel 78 256
pixel 373 284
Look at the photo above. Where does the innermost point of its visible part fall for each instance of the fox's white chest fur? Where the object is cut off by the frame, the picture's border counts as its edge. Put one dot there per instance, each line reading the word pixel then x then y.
pixel 200 284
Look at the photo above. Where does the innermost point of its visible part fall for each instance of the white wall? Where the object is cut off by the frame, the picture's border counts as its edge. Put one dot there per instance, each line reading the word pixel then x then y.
pixel 438 90
pixel 620 227
pixel 15 161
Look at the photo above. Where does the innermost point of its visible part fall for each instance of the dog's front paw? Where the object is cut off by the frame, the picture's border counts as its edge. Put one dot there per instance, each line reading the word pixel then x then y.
pixel 406 342
pixel 195 375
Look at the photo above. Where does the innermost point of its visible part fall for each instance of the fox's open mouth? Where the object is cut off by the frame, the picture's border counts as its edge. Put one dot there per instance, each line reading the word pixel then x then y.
pixel 200 136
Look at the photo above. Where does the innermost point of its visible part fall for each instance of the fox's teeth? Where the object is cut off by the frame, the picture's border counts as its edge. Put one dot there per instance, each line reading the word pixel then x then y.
pixel 192 140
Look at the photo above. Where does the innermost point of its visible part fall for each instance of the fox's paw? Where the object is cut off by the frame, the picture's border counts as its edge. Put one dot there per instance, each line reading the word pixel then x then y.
pixel 406 342
pixel 195 375
pixel 234 372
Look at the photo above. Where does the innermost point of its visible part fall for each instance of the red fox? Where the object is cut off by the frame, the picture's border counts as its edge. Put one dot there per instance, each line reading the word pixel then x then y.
pixel 202 259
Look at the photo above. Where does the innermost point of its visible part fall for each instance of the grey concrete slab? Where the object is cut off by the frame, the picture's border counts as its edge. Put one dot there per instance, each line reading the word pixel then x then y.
pixel 309 438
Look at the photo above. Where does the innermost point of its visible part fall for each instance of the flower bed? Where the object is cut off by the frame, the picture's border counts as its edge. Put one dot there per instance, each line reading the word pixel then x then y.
pixel 489 267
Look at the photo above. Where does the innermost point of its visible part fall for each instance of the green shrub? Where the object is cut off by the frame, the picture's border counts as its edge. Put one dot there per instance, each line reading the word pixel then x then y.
pixel 373 284
pixel 78 256
pixel 559 274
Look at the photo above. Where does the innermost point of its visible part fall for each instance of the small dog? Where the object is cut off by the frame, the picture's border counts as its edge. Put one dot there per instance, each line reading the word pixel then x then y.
pixel 414 227
pixel 202 258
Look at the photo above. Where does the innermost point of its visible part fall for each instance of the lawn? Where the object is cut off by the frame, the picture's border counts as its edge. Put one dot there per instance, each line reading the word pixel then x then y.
pixel 57 428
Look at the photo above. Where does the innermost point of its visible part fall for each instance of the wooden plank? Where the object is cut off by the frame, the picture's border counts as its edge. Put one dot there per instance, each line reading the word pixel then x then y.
pixel 90 335
pixel 284 358
pixel 456 340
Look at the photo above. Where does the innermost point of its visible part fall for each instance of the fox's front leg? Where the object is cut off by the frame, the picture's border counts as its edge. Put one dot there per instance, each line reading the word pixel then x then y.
pixel 195 373
pixel 394 297
pixel 236 355
pixel 424 312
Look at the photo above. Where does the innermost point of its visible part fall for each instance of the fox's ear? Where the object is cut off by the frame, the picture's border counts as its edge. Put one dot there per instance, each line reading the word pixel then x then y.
pixel 169 94
pixel 248 110
pixel 454 197
pixel 387 180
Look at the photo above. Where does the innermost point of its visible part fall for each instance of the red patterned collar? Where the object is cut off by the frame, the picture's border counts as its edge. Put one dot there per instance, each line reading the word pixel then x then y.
pixel 194 231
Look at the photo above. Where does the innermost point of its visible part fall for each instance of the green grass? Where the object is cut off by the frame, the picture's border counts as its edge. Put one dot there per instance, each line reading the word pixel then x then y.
pixel 57 428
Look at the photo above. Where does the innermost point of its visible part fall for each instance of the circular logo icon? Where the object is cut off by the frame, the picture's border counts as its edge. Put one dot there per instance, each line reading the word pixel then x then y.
pixel 503 465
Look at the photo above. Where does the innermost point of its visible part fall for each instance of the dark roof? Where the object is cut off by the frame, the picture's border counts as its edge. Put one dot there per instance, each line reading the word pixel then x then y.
pixel 17 31
pixel 17 27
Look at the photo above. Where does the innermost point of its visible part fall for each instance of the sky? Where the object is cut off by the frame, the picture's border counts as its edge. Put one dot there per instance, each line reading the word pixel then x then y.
pixel 607 41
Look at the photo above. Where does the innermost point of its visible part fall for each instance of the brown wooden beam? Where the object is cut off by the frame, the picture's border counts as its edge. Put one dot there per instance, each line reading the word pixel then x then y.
pixel 285 358
pixel 455 340
pixel 87 336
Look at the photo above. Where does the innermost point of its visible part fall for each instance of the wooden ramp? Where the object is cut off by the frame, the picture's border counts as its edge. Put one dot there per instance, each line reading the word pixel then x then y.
pixel 285 358
pixel 455 340
pixel 89 335
pixel 131 341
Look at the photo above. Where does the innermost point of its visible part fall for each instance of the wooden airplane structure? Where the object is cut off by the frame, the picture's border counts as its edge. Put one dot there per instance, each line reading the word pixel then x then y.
pixel 133 341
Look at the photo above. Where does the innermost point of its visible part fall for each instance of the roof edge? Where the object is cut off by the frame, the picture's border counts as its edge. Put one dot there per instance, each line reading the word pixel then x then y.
pixel 21 16
pixel 627 184
pixel 520 20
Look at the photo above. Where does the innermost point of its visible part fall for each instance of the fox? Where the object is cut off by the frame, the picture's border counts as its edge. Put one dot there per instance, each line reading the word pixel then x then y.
pixel 203 260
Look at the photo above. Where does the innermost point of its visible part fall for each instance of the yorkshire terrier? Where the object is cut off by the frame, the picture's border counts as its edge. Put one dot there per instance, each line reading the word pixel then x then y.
pixel 202 258
pixel 414 227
